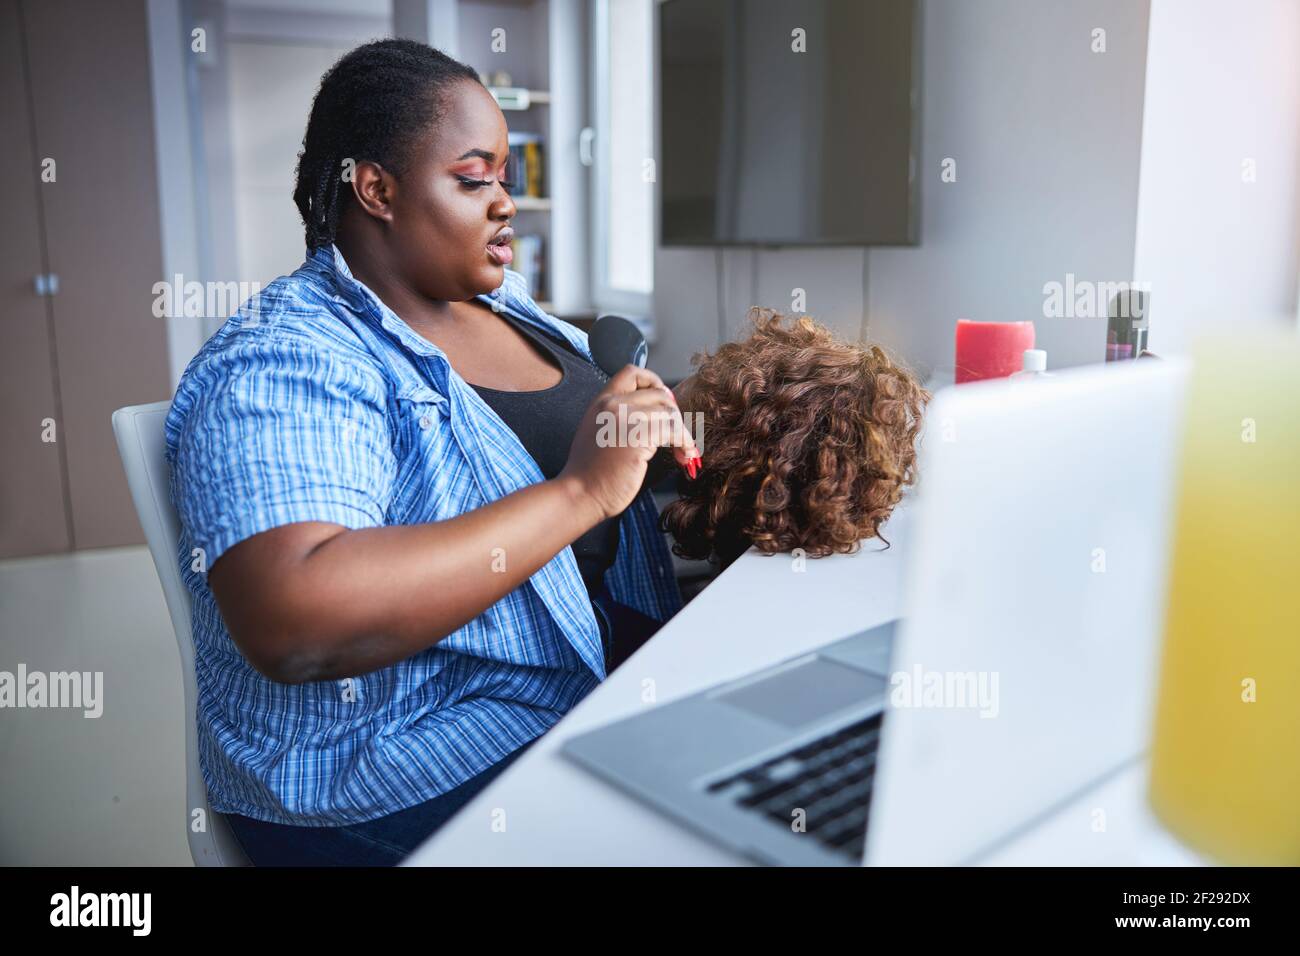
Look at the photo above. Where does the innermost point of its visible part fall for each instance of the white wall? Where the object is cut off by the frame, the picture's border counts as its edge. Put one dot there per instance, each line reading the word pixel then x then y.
pixel 1223 86
pixel 271 90
pixel 275 56
pixel 176 197
pixel 1046 135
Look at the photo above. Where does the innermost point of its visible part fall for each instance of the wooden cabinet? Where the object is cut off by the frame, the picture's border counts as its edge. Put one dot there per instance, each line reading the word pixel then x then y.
pixel 75 91
pixel 33 519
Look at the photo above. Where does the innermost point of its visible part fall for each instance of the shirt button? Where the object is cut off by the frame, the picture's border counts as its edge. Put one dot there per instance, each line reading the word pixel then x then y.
pixel 426 422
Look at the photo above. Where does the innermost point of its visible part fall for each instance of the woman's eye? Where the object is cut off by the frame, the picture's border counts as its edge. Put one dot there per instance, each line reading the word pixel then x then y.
pixel 471 183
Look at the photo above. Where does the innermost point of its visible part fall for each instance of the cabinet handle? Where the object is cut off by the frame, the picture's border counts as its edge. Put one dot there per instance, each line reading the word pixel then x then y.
pixel 585 140
pixel 47 283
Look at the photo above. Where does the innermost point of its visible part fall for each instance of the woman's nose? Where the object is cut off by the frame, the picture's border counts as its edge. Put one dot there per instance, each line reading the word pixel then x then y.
pixel 503 207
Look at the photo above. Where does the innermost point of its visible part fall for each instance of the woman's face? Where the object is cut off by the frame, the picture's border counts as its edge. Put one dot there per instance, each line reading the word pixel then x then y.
pixel 449 234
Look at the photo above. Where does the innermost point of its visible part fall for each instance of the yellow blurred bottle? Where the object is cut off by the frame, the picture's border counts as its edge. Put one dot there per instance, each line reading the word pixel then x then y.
pixel 1225 771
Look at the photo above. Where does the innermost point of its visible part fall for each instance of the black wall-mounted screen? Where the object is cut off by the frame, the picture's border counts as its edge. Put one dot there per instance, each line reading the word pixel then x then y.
pixel 788 122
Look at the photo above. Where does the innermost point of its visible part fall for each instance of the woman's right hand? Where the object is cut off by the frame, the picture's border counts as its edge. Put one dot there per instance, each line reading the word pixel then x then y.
pixel 632 417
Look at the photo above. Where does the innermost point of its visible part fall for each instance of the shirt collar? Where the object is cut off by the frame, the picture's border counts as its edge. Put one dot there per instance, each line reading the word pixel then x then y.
pixel 329 261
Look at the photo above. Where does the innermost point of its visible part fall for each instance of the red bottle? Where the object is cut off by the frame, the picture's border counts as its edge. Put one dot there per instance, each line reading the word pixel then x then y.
pixel 991 349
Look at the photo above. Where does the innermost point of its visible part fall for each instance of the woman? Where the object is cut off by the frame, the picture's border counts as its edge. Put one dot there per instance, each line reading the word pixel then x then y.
pixel 417 555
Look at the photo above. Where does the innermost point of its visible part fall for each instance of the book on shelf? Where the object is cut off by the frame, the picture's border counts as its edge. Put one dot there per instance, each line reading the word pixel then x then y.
pixel 525 165
pixel 530 262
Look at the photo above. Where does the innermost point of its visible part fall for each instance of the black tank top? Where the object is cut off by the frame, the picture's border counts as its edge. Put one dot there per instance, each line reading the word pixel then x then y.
pixel 545 422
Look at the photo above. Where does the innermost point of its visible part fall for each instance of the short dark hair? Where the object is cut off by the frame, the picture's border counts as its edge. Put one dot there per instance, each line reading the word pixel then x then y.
pixel 371 105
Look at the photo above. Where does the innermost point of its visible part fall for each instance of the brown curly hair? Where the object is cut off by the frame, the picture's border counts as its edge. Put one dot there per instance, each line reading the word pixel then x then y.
pixel 808 442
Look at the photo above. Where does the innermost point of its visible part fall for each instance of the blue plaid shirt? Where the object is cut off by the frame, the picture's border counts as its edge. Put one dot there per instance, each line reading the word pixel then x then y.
pixel 315 402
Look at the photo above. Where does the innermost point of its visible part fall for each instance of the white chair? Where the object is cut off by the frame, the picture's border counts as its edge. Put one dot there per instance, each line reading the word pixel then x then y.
pixel 141 443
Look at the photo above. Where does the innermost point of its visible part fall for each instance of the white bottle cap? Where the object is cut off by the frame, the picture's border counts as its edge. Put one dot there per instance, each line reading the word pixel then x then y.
pixel 1035 360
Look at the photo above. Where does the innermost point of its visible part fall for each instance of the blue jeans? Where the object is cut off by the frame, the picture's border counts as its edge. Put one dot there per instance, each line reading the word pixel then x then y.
pixel 623 629
pixel 385 841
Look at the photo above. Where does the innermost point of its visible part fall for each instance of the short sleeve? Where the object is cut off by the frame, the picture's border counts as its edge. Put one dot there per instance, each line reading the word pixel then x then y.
pixel 274 431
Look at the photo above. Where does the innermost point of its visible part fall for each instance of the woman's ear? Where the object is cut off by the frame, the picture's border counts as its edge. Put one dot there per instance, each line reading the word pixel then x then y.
pixel 373 188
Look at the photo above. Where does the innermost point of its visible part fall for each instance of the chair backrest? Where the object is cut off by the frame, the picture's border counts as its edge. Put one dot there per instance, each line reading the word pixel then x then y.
pixel 141 443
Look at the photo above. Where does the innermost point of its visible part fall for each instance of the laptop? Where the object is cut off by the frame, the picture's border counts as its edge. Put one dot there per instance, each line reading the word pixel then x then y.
pixel 1019 676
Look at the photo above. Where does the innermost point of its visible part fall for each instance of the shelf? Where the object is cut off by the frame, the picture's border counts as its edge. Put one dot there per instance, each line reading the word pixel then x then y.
pixel 546 97
pixel 519 98
pixel 532 204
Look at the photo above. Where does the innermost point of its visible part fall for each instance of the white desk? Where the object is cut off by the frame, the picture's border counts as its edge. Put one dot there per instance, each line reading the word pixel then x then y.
pixel 1110 825
pixel 758 612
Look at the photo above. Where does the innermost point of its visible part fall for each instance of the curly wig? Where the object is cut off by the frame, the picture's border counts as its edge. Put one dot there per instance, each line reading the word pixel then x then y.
pixel 808 443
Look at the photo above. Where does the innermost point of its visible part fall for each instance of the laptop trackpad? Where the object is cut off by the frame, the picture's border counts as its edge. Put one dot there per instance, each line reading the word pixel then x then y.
pixel 805 693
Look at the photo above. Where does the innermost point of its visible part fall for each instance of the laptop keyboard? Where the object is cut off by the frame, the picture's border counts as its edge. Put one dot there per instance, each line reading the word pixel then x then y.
pixel 828 778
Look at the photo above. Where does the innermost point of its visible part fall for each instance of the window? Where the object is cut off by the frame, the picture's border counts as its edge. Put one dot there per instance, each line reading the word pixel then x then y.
pixel 625 184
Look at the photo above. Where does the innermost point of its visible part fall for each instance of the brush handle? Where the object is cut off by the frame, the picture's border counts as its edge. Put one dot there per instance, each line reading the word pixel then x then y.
pixel 616 342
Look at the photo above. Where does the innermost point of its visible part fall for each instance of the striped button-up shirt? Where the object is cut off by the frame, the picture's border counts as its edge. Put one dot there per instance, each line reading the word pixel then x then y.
pixel 315 402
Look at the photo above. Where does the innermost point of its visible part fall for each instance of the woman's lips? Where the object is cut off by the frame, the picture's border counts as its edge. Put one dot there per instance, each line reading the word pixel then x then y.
pixel 499 249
